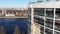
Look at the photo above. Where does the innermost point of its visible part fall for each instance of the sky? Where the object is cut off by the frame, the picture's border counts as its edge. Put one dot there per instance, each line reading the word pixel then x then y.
pixel 15 3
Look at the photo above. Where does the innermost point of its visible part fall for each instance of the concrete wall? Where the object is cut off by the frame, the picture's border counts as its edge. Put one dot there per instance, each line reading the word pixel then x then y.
pixel 45 5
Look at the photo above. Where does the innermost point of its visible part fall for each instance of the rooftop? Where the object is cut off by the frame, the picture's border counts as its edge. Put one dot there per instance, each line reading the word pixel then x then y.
pixel 46 4
pixel 39 1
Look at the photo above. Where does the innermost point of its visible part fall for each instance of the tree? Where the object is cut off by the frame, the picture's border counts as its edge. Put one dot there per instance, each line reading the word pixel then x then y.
pixel 2 30
pixel 16 30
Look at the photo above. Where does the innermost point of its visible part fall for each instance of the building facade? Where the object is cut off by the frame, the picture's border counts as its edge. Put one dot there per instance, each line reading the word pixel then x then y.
pixel 44 17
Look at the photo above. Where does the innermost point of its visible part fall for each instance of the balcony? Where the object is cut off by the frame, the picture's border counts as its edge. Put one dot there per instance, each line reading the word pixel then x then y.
pixel 29 10
pixel 42 30
pixel 29 17
pixel 57 15
pixel 49 23
pixel 39 11
pixel 29 24
pixel 57 25
pixel 56 32
pixel 39 20
pixel 48 31
pixel 50 12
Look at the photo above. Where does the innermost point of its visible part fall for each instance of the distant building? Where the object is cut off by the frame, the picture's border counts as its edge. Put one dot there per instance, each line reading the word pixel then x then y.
pixel 14 12
pixel 44 17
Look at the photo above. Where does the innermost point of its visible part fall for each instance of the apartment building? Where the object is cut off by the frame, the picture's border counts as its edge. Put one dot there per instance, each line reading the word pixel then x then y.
pixel 44 17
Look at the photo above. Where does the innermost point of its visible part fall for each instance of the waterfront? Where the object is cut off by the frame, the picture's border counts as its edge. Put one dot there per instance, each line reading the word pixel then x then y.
pixel 10 24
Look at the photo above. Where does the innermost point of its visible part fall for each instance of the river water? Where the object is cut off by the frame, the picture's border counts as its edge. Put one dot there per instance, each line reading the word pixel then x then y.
pixel 10 23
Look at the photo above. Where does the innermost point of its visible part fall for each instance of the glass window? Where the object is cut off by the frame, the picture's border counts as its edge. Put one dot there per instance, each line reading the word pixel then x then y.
pixel 39 11
pixel 57 25
pixel 29 13
pixel 49 23
pixel 29 10
pixel 29 23
pixel 57 16
pixel 50 12
pixel 42 30
pixel 29 27
pixel 56 32
pixel 48 31
pixel 39 20
pixel 29 17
